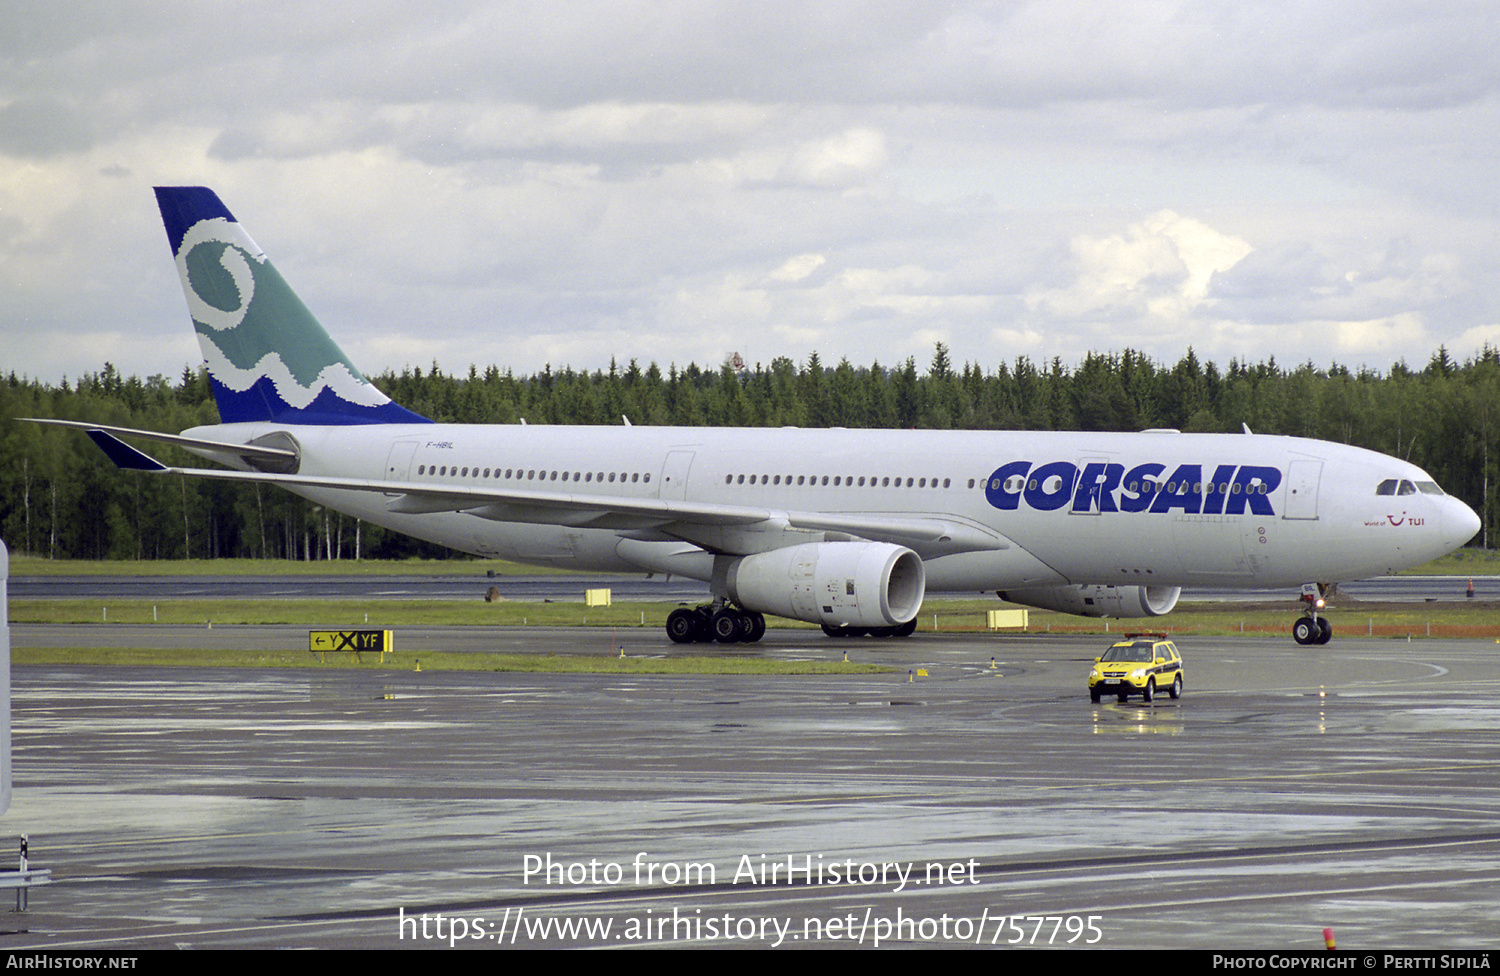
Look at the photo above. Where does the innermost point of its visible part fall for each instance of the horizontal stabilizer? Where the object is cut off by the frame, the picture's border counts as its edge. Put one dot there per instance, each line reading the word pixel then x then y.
pixel 123 454
pixel 249 452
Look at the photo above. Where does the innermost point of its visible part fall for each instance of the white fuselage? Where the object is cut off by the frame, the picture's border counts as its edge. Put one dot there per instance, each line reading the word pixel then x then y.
pixel 1150 509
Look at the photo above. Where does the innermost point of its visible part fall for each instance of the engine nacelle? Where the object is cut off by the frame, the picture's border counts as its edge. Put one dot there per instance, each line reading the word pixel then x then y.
pixel 859 584
pixel 1094 600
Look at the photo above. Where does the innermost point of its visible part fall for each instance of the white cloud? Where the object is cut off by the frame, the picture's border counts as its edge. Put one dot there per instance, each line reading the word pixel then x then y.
pixel 1380 335
pixel 842 160
pixel 1479 337
pixel 798 268
pixel 1158 272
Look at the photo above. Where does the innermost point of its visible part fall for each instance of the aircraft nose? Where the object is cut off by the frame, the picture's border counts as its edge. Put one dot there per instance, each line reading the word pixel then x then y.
pixel 1460 523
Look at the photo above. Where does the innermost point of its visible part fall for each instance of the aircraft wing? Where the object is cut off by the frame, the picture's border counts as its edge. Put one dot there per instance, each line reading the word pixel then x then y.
pixel 693 521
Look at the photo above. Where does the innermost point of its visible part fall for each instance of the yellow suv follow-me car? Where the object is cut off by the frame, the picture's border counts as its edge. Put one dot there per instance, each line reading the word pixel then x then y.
pixel 1141 664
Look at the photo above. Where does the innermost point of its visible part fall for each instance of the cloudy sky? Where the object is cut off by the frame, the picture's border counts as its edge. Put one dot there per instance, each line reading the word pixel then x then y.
pixel 523 183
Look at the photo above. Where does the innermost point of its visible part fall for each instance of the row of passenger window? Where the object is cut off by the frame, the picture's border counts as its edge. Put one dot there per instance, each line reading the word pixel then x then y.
pixel 837 481
pixel 531 474
pixel 1013 484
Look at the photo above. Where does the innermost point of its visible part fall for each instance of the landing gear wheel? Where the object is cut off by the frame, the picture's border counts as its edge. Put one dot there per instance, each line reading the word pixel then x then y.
pixel 908 628
pixel 1325 631
pixel 1306 630
pixel 727 625
pixel 682 626
pixel 757 622
pixel 1176 690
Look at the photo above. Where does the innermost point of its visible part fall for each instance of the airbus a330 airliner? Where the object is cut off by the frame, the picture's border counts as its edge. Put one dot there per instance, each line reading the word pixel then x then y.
pixel 844 528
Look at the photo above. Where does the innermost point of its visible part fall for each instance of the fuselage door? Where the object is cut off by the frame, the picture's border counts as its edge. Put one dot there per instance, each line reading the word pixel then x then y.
pixel 398 462
pixel 674 475
pixel 1089 488
pixel 1301 498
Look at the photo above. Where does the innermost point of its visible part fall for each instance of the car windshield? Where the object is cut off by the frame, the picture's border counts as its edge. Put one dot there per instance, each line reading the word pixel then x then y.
pixel 1128 652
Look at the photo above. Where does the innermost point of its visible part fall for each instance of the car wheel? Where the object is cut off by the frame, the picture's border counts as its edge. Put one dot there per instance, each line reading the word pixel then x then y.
pixel 1176 691
pixel 1094 696
pixel 1149 692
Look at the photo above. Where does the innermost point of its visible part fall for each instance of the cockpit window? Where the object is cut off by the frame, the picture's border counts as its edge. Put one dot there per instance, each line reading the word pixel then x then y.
pixel 1393 486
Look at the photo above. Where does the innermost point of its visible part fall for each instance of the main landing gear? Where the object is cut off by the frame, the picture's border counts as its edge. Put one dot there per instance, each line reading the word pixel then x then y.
pixel 725 624
pixel 1311 628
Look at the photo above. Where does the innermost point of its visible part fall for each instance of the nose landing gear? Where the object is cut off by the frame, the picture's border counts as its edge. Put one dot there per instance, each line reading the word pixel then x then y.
pixel 1311 628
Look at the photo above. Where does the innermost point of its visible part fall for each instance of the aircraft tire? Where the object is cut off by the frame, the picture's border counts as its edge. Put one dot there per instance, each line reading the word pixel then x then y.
pixel 1325 631
pixel 726 625
pixel 1305 630
pixel 757 626
pixel 682 626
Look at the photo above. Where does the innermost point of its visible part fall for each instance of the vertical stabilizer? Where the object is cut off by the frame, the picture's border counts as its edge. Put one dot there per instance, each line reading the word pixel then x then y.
pixel 268 358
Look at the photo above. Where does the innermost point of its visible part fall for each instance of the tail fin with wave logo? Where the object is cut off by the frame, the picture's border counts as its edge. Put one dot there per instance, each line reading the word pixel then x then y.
pixel 268 358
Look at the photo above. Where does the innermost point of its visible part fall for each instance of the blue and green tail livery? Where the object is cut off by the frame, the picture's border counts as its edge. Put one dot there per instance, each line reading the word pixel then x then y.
pixel 268 358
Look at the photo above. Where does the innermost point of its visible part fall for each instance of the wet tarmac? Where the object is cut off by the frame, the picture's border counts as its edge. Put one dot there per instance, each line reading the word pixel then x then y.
pixel 1354 786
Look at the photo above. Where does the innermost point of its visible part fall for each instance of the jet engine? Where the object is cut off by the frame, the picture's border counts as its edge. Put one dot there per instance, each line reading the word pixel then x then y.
pixel 1094 600
pixel 856 584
